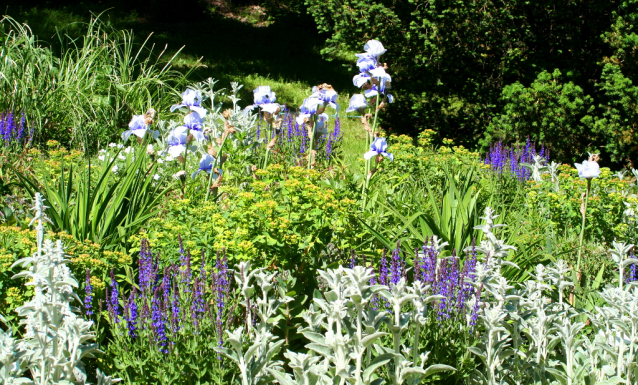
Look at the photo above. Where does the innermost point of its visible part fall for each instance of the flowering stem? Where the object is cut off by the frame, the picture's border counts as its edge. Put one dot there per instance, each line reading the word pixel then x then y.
pixel 368 172
pixel 184 168
pixel 269 130
pixel 212 170
pixel 312 140
pixel 582 229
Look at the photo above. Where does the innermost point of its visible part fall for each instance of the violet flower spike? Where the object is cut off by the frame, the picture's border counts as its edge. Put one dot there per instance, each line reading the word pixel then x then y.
pixel 88 290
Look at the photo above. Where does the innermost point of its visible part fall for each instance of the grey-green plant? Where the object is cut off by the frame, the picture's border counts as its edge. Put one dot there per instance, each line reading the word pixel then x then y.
pixel 256 361
pixel 527 337
pixel 537 168
pixel 56 338
pixel 345 329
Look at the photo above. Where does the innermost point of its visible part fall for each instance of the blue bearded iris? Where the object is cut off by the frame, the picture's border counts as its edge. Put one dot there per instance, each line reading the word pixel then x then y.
pixel 192 100
pixel 308 108
pixel 327 96
pixel 139 128
pixel 378 147
pixel 195 124
pixel 206 164
pixel 177 141
pixel 357 103
pixel 372 77
pixel 264 98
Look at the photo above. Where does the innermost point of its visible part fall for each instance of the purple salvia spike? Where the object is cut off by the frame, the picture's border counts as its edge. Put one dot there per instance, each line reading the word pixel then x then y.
pixel 88 290
pixel 383 272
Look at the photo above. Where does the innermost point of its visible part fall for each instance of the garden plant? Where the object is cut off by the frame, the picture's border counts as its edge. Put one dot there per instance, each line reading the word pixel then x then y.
pixel 197 231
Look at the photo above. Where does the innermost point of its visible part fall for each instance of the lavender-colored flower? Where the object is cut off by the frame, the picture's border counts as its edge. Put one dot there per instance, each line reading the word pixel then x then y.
pixel 383 269
pixel 131 315
pixel 175 309
pixel 8 128
pixel 21 128
pixel 353 259
pixel 145 278
pixel 475 310
pixel 138 126
pixel 442 288
pixel 395 266
pixel 589 169
pixel 378 147
pixel 374 49
pixel 192 100
pixel 222 287
pixel 358 103
pixel 502 158
pixel 88 290
pixel 258 128
pixel 307 109
pixel 469 274
pixel 158 322
pixel 265 99
pixel 177 141
pixel 197 305
pixel 327 95
pixel 195 125
pixel 206 164
pixel 383 78
pixel 113 301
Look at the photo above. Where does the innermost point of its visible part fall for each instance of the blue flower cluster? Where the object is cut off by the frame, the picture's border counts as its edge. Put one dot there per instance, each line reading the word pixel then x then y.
pixel 449 277
pixel 509 159
pixel 13 129
pixel 294 137
pixel 171 298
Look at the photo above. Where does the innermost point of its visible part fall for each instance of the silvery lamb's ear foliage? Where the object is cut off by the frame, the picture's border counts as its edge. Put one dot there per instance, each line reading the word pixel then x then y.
pixel 493 248
pixel 552 168
pixel 13 361
pixel 619 256
pixel 257 363
pixel 56 339
pixel 558 276
pixel 538 167
pixel 103 379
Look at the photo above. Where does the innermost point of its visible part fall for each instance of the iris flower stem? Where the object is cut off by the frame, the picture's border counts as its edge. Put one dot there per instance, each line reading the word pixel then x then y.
pixel 582 229
pixel 269 130
pixel 184 168
pixel 312 141
pixel 368 175
pixel 212 170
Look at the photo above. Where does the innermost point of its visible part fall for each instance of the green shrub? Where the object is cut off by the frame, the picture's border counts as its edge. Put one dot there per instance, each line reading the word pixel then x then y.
pixel 285 219
pixel 549 111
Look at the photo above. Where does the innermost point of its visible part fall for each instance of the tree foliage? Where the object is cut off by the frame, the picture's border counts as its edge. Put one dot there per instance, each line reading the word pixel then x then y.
pixel 464 66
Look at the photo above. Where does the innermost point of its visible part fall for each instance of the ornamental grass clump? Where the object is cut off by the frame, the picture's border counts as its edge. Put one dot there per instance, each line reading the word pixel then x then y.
pixel 56 339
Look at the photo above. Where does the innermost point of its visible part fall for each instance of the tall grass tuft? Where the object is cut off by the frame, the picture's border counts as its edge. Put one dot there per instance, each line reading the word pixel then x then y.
pixel 85 91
